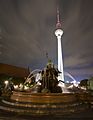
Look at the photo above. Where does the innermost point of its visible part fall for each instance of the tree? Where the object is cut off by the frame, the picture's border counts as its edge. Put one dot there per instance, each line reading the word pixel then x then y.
pixel 90 83
pixel 17 81
pixel 83 83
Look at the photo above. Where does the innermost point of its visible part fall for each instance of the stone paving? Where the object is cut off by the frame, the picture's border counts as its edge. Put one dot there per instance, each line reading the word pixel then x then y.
pixel 84 115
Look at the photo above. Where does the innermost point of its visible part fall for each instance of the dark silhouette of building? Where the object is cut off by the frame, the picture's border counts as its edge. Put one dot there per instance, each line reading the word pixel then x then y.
pixel 14 71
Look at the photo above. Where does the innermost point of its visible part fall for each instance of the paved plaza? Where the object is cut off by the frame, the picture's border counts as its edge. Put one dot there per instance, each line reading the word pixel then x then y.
pixel 84 115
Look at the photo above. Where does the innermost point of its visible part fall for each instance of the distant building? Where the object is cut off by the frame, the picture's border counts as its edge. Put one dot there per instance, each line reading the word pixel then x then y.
pixel 13 71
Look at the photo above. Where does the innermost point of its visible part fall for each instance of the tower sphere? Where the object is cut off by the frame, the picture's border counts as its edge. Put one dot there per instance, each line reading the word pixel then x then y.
pixel 59 32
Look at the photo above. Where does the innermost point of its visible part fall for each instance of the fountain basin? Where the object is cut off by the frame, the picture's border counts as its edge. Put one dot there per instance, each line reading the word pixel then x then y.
pixel 45 103
pixel 44 97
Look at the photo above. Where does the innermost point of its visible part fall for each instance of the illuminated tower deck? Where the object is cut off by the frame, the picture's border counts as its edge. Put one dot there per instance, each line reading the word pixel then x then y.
pixel 59 33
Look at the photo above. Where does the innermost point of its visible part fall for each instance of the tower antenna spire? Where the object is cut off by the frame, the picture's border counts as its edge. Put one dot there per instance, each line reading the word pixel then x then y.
pixel 58 24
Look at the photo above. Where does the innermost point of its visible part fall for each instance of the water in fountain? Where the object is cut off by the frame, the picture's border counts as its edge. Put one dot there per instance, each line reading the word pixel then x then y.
pixel 69 75
pixel 34 73
pixel 64 88
pixel 37 75
pixel 47 78
pixel 62 83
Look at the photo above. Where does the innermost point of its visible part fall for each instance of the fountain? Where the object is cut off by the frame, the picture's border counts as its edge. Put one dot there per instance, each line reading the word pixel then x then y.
pixel 46 96
pixel 45 84
pixel 47 79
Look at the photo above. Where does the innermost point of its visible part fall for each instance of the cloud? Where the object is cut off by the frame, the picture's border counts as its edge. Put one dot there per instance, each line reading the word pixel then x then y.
pixel 78 34
pixel 73 61
pixel 25 30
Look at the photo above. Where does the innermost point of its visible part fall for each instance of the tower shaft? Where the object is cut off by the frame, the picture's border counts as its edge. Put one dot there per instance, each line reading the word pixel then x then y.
pixel 60 60
pixel 59 33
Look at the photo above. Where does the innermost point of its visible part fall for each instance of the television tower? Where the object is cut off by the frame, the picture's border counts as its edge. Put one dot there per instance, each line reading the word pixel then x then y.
pixel 59 33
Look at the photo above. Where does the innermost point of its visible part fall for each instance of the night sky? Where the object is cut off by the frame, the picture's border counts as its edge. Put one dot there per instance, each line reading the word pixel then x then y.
pixel 27 34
